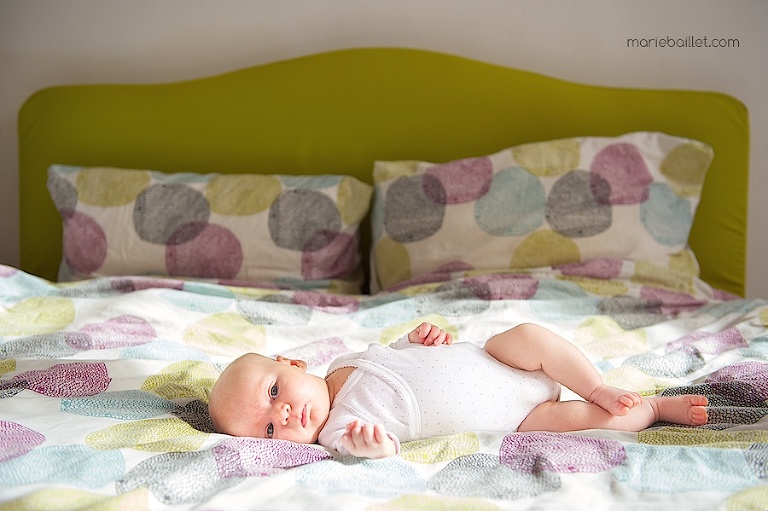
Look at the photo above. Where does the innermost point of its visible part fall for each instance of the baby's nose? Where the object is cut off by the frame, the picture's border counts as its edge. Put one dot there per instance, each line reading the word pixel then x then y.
pixel 285 413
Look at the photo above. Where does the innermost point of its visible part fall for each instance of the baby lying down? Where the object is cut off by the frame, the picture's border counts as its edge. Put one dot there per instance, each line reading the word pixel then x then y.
pixel 424 385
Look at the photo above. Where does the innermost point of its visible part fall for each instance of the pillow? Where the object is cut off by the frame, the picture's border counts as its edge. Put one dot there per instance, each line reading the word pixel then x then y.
pixel 538 204
pixel 284 230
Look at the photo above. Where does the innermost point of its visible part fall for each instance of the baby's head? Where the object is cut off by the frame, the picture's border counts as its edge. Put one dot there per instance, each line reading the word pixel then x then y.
pixel 262 397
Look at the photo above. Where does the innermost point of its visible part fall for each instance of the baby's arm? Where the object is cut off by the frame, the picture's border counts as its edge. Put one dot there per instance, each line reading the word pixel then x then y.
pixel 429 335
pixel 367 440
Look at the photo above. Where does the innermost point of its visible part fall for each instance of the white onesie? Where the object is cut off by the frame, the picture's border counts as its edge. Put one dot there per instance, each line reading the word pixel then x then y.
pixel 419 391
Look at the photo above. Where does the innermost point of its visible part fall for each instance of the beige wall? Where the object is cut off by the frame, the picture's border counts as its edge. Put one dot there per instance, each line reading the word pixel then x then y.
pixel 47 42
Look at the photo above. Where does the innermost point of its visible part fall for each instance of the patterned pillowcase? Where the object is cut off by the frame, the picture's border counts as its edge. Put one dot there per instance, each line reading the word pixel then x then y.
pixel 292 231
pixel 539 204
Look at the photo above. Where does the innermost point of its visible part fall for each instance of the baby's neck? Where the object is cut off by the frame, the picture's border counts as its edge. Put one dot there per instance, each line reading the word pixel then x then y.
pixel 336 380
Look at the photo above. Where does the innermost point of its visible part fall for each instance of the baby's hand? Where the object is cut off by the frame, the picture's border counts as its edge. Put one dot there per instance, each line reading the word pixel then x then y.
pixel 429 335
pixel 367 440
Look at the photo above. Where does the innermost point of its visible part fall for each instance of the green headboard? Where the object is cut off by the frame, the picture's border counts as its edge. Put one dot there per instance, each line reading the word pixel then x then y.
pixel 337 112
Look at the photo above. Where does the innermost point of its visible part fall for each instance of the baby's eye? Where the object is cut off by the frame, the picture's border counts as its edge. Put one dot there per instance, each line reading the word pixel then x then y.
pixel 273 391
pixel 270 430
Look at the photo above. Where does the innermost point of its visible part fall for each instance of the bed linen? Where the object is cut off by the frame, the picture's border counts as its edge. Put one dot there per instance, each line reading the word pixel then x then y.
pixel 104 385
pixel 104 382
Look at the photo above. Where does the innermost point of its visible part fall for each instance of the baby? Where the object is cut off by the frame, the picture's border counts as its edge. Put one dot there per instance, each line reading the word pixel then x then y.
pixel 424 385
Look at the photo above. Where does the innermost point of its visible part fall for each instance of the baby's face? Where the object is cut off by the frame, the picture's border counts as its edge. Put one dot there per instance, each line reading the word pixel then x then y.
pixel 260 397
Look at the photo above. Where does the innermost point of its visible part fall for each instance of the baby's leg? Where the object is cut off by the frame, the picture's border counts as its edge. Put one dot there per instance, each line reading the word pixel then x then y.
pixel 689 409
pixel 613 399
pixel 532 348
pixel 564 416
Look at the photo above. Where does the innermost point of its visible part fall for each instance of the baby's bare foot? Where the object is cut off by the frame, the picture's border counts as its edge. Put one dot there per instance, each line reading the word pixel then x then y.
pixel 689 409
pixel 615 400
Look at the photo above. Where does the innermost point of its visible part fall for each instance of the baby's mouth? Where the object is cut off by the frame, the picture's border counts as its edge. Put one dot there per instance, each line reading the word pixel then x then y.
pixel 304 416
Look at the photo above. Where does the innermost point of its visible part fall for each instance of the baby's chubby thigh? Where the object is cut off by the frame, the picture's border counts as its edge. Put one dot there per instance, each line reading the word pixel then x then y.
pixel 520 392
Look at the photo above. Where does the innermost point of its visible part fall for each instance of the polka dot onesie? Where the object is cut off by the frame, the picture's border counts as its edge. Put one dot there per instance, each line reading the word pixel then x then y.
pixel 419 391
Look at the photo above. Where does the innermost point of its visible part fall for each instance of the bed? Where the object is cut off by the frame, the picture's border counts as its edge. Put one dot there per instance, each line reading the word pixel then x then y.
pixel 312 206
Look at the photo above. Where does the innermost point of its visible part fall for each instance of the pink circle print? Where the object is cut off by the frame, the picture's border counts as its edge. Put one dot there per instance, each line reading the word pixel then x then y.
pixel 214 253
pixel 84 242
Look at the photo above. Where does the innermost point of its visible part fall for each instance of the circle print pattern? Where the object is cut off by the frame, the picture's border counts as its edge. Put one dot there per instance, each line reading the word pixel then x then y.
pixel 336 259
pixel 63 193
pixel 110 187
pixel 685 167
pixel 531 452
pixel 604 268
pixel 752 375
pixel 545 248
pixel 414 208
pixel 225 333
pixel 485 476
pixel 393 263
pixel 213 253
pixel 385 171
pixel 460 181
pixel 161 210
pixel 353 199
pixel 622 166
pixel 514 205
pixel 303 220
pixel 38 315
pixel 666 216
pixel 550 158
pixel 503 287
pixel 578 205
pixel 17 440
pixel 242 194
pixel 272 310
pixel 84 242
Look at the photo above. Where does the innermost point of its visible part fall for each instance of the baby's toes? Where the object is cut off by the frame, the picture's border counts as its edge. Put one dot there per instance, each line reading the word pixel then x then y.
pixel 697 400
pixel 631 399
pixel 699 415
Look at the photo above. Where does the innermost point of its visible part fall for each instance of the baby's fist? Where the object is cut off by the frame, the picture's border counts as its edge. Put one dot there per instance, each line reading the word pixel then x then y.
pixel 367 440
pixel 429 335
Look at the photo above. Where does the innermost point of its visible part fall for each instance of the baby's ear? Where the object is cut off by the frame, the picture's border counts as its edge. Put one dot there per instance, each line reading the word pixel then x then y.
pixel 296 363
